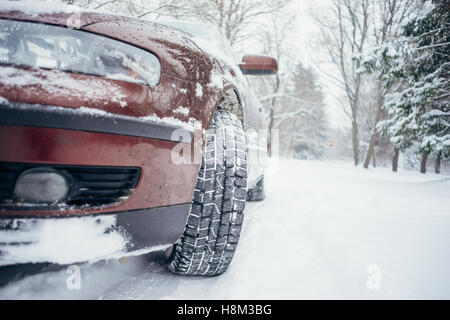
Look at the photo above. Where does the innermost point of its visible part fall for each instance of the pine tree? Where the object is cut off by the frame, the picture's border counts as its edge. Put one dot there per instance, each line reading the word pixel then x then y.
pixel 416 69
pixel 432 70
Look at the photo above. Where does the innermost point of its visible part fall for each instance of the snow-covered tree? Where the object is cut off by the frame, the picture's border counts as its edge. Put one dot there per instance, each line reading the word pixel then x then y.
pixel 386 62
pixel 417 70
pixel 310 129
pixel 386 21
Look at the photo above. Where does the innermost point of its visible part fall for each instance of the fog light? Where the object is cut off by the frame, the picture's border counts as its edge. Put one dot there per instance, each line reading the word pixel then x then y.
pixel 41 185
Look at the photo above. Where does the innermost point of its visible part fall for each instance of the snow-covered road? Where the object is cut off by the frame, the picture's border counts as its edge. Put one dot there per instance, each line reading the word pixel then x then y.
pixel 326 230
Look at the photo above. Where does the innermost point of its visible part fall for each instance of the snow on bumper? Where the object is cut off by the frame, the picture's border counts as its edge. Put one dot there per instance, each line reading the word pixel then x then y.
pixel 58 240
pixel 90 238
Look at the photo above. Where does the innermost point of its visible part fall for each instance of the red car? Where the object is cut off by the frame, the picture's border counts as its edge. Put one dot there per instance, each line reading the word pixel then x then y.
pixel 120 137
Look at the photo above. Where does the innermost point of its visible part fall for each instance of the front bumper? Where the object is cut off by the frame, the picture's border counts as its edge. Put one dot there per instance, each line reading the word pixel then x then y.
pixel 154 215
pixel 66 240
pixel 40 135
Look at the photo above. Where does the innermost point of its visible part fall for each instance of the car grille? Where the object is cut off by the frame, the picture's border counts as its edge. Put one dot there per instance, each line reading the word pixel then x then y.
pixel 91 185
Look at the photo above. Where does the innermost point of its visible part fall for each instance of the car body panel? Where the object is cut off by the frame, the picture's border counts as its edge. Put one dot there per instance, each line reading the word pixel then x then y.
pixel 193 76
pixel 162 182
pixel 51 87
pixel 185 65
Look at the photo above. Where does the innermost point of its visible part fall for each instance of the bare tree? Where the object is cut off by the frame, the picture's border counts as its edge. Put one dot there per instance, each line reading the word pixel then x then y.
pixel 274 38
pixel 344 33
pixel 233 17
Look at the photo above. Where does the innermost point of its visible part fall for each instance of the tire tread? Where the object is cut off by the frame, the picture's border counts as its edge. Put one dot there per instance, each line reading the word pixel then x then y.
pixel 217 211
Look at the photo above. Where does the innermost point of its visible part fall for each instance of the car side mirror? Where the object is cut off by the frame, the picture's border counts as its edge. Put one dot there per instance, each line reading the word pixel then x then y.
pixel 258 65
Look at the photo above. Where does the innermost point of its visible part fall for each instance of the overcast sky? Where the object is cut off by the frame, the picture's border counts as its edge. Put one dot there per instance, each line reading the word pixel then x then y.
pixel 309 54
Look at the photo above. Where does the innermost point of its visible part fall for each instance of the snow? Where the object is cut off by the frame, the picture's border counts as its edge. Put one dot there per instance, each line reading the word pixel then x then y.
pixel 93 112
pixel 182 110
pixel 35 8
pixel 192 124
pixel 3 100
pixel 62 240
pixel 60 83
pixel 216 80
pixel 81 110
pixel 198 90
pixel 123 77
pixel 437 113
pixel 324 231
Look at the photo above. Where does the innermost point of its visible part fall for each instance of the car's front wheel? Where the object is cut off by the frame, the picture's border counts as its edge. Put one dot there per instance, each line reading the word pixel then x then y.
pixel 217 211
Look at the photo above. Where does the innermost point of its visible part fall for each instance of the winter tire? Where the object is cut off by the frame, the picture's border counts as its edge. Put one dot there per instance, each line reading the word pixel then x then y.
pixel 217 210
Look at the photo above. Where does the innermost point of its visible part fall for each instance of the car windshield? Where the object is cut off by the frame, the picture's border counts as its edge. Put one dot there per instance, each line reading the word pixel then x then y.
pixel 204 31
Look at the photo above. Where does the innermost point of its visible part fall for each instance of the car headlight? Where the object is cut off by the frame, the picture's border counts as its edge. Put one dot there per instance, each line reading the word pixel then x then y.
pixel 51 47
